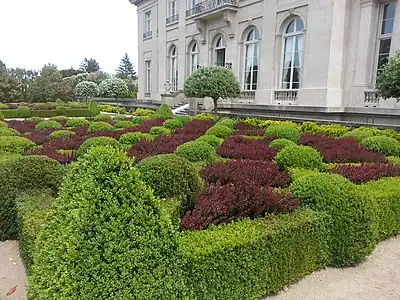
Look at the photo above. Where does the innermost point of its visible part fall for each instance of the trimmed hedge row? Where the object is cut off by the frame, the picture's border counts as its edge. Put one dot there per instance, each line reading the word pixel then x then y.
pixel 13 113
pixel 248 259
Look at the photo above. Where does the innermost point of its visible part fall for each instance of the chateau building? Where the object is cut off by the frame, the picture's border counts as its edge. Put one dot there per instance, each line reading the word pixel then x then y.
pixel 285 52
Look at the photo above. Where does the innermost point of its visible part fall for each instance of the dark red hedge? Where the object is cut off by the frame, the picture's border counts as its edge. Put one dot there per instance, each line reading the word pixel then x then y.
pixel 367 172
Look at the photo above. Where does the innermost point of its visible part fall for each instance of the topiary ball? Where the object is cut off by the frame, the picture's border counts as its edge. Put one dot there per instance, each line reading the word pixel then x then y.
pixel 283 132
pixel 61 134
pixel 382 144
pixel 76 122
pixel 99 126
pixel 14 144
pixel 197 151
pixel 123 124
pixel 4 131
pixel 281 143
pixel 227 122
pixel 210 139
pixel 48 124
pixel 164 111
pixel 171 176
pixel 132 138
pixel 158 130
pixel 299 157
pixel 102 117
pixel 96 142
pixel 220 131
pixel 1 116
pixel 173 124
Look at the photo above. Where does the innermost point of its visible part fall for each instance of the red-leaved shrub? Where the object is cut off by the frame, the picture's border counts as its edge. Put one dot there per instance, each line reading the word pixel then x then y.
pixel 366 172
pixel 340 150
pixel 245 129
pixel 195 128
pixel 22 126
pixel 238 147
pixel 223 204
pixel 262 173
pixel 40 136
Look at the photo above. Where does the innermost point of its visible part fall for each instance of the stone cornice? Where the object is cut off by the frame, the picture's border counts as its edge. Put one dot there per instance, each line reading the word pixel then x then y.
pixel 136 2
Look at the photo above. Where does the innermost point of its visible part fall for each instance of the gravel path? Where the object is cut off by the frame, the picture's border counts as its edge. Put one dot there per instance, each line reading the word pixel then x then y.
pixel 376 279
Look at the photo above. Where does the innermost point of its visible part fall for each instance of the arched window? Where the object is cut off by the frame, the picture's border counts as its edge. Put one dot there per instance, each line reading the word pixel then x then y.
pixel 292 54
pixel 219 51
pixel 173 62
pixel 193 57
pixel 251 59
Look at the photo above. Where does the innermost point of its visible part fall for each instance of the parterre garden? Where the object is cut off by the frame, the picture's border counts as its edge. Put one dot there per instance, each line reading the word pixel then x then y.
pixel 174 207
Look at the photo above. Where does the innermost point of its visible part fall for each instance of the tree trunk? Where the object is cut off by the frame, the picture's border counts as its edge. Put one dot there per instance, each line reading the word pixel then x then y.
pixel 215 109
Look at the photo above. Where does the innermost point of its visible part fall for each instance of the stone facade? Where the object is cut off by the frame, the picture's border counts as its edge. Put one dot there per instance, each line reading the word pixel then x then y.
pixel 323 53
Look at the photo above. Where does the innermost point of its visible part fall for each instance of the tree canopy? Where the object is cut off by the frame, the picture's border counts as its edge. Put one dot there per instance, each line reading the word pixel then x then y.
pixel 89 65
pixel 125 69
pixel 388 82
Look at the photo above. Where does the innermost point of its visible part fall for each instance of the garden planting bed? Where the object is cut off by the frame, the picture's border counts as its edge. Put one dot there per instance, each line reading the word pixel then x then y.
pixel 185 208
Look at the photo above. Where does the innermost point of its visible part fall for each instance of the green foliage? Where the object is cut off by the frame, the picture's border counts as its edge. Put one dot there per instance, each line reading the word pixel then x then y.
pixel 99 126
pixel 250 259
pixel 140 120
pixel 196 151
pixel 281 143
pixel 283 132
pixel 76 122
pixel 61 110
pixel 14 144
pixel 394 159
pixel 86 89
pixel 203 116
pixel 23 112
pixel 113 109
pixel 361 133
pixel 123 124
pixel 352 236
pixel 1 117
pixel 11 88
pixel 132 138
pixel 164 111
pixel 59 118
pixel 335 130
pixel 3 124
pixel 171 176
pixel 61 134
pixel 159 130
pixel 173 124
pixel 35 119
pixel 183 119
pixel 267 123
pixel 126 70
pixel 4 131
pixel 211 139
pixel 119 243
pixel 19 175
pixel 299 157
pixel 121 118
pixel 388 81
pixel 142 112
pixel 255 122
pixel 113 88
pixel 89 65
pixel 3 106
pixel 102 117
pixel 97 142
pixel 227 122
pixel 33 211
pixel 48 124
pixel 382 144
pixel 220 131
pixel 93 109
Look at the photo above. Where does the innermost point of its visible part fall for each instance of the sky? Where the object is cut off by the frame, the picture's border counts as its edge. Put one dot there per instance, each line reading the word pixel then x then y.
pixel 64 32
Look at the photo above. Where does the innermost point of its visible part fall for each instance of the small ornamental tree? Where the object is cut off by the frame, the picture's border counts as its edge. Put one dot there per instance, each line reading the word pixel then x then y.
pixel 213 82
pixel 388 83
pixel 86 89
pixel 113 88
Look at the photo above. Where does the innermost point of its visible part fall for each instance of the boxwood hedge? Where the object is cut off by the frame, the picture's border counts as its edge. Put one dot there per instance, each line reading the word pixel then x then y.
pixel 196 151
pixel 14 144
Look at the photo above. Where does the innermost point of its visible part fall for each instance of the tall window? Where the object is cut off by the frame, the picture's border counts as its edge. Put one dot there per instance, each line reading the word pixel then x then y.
pixel 251 59
pixel 147 21
pixel 173 8
pixel 292 54
pixel 193 57
pixel 385 34
pixel 148 76
pixel 220 52
pixel 173 61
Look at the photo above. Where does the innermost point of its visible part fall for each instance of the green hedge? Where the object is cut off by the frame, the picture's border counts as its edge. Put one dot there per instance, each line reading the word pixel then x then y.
pixel 48 124
pixel 102 117
pixel 14 144
pixel 159 130
pixel 227 122
pixel 132 138
pixel 220 131
pixel 123 124
pixel 164 111
pixel 99 126
pixel 197 151
pixel 115 245
pixel 382 144
pixel 173 124
pixel 249 259
pixel 12 113
pixel 76 122
pixel 281 143
pixel 352 235
pixel 210 139
pixel 283 131
pixel 96 142
pixel 5 131
pixel 299 157
pixel 61 134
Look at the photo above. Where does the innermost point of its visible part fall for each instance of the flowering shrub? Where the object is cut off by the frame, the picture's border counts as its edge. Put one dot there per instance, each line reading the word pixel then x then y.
pixel 86 89
pixel 223 204
pixel 263 173
pixel 367 172
pixel 113 88
pixel 238 147
pixel 340 150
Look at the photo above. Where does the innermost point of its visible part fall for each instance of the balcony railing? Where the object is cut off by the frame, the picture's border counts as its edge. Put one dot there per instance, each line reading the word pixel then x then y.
pixel 209 5
pixel 285 96
pixel 172 19
pixel 147 35
pixel 371 96
pixel 247 95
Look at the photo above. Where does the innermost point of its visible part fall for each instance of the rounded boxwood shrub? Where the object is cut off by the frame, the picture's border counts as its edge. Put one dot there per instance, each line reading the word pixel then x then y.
pixel 23 112
pixel 99 126
pixel 299 157
pixel 102 117
pixel 123 124
pixel 227 122
pixel 183 119
pixel 171 176
pixel 164 111
pixel 173 124
pixel 281 143
pixel 48 124
pixel 283 132
pixel 382 144
pixel 59 118
pixel 196 151
pixel 210 139
pixel 394 160
pixel 120 244
pixel 132 138
pixel 361 133
pixel 35 119
pixel 1 116
pixel 76 122
pixel 204 116
pixel 3 124
pixel 96 142
pixel 349 215
pixel 142 112
pixel 14 144
pixel 4 131
pixel 61 134
pixel 19 175
pixel 159 130
pixel 140 120
pixel 220 131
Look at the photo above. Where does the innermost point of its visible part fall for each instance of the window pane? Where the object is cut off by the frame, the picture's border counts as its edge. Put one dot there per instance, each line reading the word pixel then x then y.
pixel 220 57
pixel 285 85
pixel 299 24
pixel 387 26
pixel 297 59
pixel 298 45
pixel 255 73
pixel 296 74
pixel 295 85
pixel 289 44
pixel 290 27
pixel 287 60
pixel 382 60
pixel 389 11
pixel 286 75
pixel 384 46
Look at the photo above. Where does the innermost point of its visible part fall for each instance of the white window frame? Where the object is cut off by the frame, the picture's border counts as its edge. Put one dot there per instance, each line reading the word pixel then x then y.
pixel 147 64
pixel 295 35
pixel 173 67
pixel 172 8
pixel 194 55
pixel 219 48
pixel 256 43
pixel 147 21
pixel 381 37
